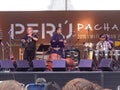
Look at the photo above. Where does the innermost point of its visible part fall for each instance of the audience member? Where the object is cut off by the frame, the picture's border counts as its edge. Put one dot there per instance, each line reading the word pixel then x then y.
pixel 11 85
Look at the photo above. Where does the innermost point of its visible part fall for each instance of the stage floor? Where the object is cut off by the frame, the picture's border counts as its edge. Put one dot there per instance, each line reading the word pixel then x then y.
pixel 108 79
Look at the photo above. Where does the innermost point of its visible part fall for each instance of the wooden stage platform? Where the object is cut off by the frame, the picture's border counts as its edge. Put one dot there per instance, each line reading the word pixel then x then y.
pixel 108 79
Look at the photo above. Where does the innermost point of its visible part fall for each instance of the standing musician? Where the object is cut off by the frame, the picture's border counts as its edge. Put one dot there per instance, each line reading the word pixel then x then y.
pixel 29 45
pixel 57 42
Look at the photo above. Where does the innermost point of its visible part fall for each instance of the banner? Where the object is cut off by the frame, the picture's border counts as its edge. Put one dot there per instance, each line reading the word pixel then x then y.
pixel 79 26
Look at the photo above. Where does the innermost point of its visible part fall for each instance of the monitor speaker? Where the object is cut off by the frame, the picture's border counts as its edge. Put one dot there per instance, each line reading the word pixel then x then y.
pixel 6 65
pixel 21 65
pixel 59 65
pixel 85 65
pixel 108 65
pixel 39 65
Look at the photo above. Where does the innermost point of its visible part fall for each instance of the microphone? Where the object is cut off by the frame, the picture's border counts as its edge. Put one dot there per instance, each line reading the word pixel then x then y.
pixel 9 31
pixel 2 44
pixel 8 44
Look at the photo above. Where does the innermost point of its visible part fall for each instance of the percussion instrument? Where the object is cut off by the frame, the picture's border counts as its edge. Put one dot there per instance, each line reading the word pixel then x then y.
pixel 70 64
pixel 116 54
pixel 104 54
pixel 52 57
pixel 88 44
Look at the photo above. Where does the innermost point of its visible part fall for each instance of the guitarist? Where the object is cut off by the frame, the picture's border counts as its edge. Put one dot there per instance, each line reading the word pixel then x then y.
pixel 29 45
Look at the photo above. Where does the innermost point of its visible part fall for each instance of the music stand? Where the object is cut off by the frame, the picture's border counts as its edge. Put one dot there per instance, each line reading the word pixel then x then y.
pixel 43 48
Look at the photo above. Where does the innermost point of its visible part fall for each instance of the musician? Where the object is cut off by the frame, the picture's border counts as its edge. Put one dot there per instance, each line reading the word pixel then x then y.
pixel 110 40
pixel 29 45
pixel 57 42
pixel 103 45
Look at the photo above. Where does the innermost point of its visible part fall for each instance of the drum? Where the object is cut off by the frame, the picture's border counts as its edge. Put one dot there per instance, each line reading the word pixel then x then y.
pixel 116 54
pixel 106 54
pixel 52 57
pixel 88 45
pixel 88 50
pixel 98 55
pixel 70 64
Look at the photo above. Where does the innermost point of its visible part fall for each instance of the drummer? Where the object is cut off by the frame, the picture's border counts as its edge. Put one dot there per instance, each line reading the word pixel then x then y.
pixel 57 42
pixel 103 44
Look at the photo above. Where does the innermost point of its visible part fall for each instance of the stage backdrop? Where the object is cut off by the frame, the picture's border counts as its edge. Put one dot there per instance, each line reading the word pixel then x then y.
pixel 79 26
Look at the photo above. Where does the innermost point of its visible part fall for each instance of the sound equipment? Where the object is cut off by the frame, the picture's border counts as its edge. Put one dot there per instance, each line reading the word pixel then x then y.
pixel 59 65
pixel 108 65
pixel 85 65
pixel 74 54
pixel 39 65
pixel 6 65
pixel 21 65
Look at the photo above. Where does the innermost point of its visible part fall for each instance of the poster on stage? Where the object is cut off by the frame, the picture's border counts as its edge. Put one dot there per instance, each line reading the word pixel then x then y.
pixel 78 26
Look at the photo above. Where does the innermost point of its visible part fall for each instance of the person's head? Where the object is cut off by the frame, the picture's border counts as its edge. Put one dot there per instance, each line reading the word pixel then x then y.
pixel 78 84
pixel 59 30
pixel 11 85
pixel 102 37
pixel 40 80
pixel 29 30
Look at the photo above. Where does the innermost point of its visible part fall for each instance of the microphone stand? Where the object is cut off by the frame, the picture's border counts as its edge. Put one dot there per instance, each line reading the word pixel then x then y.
pixel 90 50
pixel 3 52
pixel 10 41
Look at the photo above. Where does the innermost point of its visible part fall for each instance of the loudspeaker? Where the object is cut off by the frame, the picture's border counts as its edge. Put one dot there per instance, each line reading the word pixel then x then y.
pixel 73 54
pixel 21 65
pixel 108 65
pixel 39 65
pixel 6 64
pixel 85 65
pixel 59 65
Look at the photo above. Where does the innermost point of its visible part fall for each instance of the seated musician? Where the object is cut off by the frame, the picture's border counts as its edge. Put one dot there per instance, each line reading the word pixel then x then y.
pixel 103 49
pixel 103 44
pixel 57 42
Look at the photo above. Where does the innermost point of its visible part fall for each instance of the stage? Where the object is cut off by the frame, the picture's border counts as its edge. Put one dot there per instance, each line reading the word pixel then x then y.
pixel 108 79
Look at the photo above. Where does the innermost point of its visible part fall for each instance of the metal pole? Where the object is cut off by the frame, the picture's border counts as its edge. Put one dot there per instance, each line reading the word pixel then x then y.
pixel 10 31
pixel 66 5
pixel 3 52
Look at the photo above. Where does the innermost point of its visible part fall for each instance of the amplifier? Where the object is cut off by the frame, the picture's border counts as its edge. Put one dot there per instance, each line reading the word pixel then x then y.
pixel 73 54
